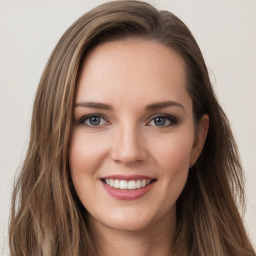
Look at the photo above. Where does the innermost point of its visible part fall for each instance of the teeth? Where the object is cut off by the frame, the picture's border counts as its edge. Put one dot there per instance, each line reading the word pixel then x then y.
pixel 131 184
pixel 124 184
pixel 138 184
pixel 116 184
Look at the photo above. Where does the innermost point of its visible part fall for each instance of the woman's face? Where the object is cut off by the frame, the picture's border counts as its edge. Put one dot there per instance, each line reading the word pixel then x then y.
pixel 134 138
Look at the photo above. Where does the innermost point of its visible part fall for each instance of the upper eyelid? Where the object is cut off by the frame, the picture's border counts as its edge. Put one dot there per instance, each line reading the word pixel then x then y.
pixel 92 115
pixel 163 115
pixel 85 117
pixel 172 119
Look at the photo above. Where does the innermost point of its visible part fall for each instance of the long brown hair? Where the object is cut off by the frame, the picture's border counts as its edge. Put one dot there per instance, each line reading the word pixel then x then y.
pixel 47 217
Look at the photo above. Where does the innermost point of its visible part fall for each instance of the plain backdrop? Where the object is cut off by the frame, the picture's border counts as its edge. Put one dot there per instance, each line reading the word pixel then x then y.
pixel 29 30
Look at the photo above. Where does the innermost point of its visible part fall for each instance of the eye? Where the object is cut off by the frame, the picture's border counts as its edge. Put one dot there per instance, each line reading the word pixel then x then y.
pixel 93 120
pixel 163 121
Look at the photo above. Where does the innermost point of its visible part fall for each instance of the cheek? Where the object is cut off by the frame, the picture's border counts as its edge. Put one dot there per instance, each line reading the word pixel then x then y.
pixel 83 162
pixel 174 153
pixel 173 159
pixel 82 156
pixel 174 162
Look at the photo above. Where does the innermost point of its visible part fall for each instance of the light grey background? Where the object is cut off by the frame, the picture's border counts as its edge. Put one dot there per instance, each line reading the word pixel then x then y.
pixel 224 29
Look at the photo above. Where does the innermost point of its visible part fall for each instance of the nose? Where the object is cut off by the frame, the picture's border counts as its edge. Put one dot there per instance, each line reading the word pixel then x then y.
pixel 128 146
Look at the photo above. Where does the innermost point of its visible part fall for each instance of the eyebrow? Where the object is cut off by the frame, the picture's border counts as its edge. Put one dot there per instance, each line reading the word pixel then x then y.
pixel 153 106
pixel 93 105
pixel 165 104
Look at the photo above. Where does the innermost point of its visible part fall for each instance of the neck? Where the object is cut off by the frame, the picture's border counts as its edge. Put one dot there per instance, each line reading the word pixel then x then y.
pixel 150 241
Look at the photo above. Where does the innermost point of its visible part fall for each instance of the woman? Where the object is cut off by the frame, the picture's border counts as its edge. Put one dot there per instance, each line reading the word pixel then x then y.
pixel 130 152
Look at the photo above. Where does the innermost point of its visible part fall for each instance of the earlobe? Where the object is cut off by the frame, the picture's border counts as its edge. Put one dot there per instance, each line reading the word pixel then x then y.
pixel 200 137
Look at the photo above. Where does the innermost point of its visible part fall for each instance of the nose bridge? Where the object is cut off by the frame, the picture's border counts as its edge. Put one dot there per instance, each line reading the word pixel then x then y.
pixel 128 145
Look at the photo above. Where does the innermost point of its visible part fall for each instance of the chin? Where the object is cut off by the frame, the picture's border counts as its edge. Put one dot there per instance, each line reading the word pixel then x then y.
pixel 129 225
pixel 128 220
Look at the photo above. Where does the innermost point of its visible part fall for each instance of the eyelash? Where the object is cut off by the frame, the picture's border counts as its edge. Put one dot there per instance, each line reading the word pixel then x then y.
pixel 173 120
pixel 87 117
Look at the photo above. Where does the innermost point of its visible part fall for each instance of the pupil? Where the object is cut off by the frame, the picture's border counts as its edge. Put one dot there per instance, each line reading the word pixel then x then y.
pixel 94 120
pixel 160 121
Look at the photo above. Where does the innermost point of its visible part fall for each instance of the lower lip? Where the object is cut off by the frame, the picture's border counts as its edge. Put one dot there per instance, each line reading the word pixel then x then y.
pixel 125 194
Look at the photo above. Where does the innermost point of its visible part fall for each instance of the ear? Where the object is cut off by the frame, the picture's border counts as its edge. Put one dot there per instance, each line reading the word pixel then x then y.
pixel 200 137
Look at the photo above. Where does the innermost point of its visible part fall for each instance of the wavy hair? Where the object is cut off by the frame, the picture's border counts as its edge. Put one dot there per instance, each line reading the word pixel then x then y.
pixel 47 217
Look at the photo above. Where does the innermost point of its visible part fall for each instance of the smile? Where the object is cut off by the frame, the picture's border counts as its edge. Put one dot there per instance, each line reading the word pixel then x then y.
pixel 124 184
pixel 127 187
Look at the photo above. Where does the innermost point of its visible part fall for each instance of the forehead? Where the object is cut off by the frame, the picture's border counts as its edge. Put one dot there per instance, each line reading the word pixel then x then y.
pixel 132 68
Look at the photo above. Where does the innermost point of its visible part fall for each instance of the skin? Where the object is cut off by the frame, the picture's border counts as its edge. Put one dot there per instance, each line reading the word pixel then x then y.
pixel 130 75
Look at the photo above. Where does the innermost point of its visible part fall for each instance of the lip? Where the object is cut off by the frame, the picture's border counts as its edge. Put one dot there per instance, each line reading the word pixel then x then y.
pixel 128 177
pixel 125 194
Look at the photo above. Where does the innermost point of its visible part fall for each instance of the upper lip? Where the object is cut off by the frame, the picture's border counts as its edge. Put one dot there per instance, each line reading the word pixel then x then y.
pixel 128 177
